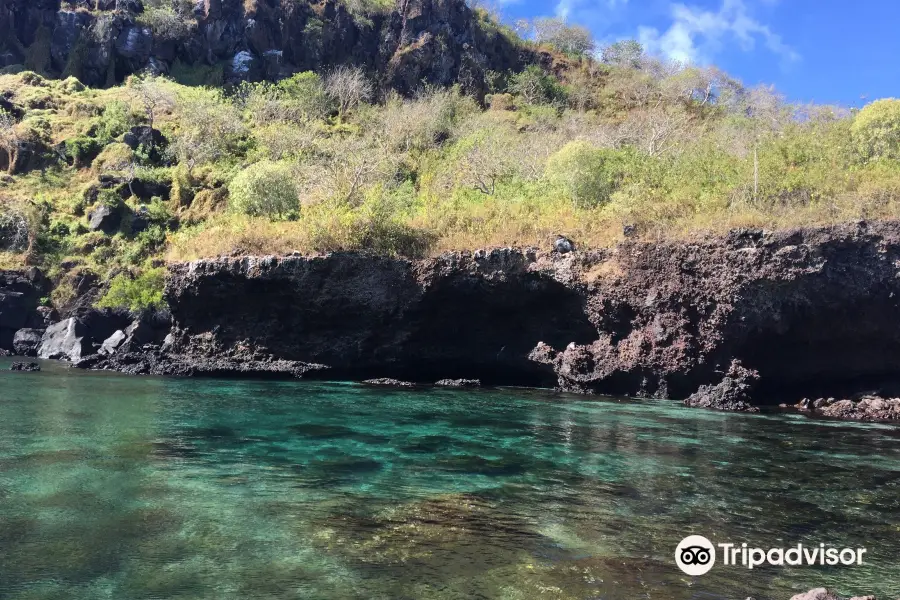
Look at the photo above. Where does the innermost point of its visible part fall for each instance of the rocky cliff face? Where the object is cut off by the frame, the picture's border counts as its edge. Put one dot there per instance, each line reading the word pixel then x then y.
pixel 20 295
pixel 751 318
pixel 102 41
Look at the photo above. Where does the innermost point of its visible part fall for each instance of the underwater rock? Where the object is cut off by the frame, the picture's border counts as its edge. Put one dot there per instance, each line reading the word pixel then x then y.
pixel 388 382
pixel 25 367
pixel 826 594
pixel 458 383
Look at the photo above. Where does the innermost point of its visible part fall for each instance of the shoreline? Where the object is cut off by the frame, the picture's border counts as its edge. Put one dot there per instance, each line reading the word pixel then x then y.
pixel 738 322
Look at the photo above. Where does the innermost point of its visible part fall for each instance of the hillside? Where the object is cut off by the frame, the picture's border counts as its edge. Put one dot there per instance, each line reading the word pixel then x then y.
pixel 132 134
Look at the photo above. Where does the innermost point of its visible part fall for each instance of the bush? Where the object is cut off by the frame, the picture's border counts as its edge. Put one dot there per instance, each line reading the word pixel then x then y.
pixel 427 121
pixel 589 175
pixel 82 150
pixel 115 120
pixel 536 87
pixel 301 97
pixel 876 130
pixel 136 293
pixel 115 158
pixel 265 189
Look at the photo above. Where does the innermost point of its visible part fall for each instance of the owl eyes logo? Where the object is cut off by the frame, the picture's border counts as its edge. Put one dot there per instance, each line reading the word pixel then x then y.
pixel 695 555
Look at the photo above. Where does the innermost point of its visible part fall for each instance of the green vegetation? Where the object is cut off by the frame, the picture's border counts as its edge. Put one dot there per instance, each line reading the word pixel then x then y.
pixel 322 162
pixel 138 293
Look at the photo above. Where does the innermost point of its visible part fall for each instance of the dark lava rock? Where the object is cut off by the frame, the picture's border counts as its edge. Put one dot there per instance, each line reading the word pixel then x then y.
pixel 43 317
pixel 732 393
pixel 810 311
pixel 30 367
pixel 438 42
pixel 563 245
pixel 20 293
pixel 388 382
pixel 459 383
pixel 867 408
pixel 66 340
pixel 26 341
pixel 105 218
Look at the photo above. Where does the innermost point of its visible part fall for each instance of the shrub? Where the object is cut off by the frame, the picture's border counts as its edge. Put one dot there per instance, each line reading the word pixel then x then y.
pixel 14 229
pixel 115 120
pixel 265 189
pixel 136 293
pixel 426 121
pixel 589 175
pixel 876 130
pixel 115 158
pixel 209 128
pixel 301 97
pixel 536 87
pixel 83 150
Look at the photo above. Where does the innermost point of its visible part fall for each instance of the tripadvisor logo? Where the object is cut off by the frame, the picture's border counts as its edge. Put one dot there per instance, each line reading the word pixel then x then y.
pixel 696 555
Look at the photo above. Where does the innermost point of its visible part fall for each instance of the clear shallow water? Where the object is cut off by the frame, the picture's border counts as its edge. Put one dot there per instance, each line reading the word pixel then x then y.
pixel 118 487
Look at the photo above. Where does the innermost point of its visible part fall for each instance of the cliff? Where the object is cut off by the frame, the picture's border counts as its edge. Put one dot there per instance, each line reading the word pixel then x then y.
pixel 809 311
pixel 100 42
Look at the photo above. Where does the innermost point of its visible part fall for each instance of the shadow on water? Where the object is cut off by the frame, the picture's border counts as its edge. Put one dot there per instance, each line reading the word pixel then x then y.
pixel 117 487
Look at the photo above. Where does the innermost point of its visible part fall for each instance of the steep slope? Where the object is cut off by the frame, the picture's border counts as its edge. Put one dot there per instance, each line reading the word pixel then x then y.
pixel 102 41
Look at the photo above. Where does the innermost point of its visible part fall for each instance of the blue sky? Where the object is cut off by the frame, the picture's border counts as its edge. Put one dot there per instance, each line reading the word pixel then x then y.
pixel 827 51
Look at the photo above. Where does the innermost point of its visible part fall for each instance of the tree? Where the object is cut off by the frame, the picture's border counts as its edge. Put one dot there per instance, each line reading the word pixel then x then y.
pixel 574 40
pixel 348 87
pixel 876 130
pixel 153 94
pixel 626 53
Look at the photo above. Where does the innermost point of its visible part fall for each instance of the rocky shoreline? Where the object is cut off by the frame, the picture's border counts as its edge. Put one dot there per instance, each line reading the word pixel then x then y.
pixel 748 320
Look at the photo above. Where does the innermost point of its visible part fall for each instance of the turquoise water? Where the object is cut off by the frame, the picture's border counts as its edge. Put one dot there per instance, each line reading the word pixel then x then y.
pixel 118 487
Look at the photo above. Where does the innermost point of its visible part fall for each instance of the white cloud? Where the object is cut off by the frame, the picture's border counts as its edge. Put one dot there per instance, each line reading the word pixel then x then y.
pixel 565 8
pixel 696 33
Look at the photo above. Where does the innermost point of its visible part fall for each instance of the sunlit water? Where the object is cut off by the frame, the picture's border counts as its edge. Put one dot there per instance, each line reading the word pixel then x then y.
pixel 114 487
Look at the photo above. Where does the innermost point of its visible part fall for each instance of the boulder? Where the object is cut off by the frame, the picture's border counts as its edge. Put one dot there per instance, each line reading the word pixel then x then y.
pixel 66 340
pixel 26 341
pixel 43 317
pixel 29 367
pixel 112 343
pixel 732 393
pixel 563 245
pixel 105 218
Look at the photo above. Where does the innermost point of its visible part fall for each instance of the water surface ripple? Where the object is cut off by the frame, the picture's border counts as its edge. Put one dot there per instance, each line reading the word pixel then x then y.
pixel 115 487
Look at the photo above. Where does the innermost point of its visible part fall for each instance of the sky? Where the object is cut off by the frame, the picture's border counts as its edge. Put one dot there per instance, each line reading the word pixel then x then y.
pixel 826 51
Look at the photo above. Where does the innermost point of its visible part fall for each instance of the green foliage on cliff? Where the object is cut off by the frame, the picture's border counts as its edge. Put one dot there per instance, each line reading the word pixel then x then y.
pixel 136 293
pixel 327 161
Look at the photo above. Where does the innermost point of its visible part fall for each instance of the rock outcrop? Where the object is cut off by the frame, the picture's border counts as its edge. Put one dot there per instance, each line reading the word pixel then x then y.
pixel 66 340
pixel 20 295
pixel 734 322
pixel 733 393
pixel 441 42
pixel 26 341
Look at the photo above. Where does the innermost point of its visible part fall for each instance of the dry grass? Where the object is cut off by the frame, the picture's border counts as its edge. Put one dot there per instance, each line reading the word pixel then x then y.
pixel 9 260
pixel 492 225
